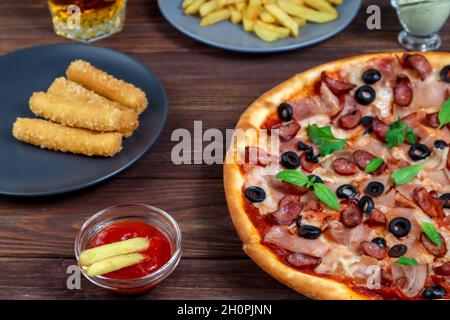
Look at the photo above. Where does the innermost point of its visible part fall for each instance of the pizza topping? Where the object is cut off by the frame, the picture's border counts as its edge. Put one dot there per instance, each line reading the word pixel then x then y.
pixel 306 164
pixel 287 214
pixel 434 292
pixel 379 128
pixel 419 151
pixel 289 198
pixel 351 216
pixel 444 114
pixel 309 232
pixel 285 112
pixel 373 250
pixel 294 189
pixel 365 95
pixel 350 120
pixel 379 241
pixel 398 250
pixel 440 144
pixel 431 247
pixel 344 167
pixel 324 138
pixel 406 174
pixel 303 146
pixel 288 131
pixel 418 63
pixel 290 160
pixel 374 189
pixel 399 132
pixel 431 119
pixel 443 270
pixel 425 201
pixel 338 87
pixel 403 91
pixel 445 74
pixel 255 194
pixel 371 76
pixel 376 218
pixel 445 199
pixel 400 227
pixel 303 261
pixel 346 191
pixel 366 121
pixel 362 158
pixel 366 204
pixel 410 278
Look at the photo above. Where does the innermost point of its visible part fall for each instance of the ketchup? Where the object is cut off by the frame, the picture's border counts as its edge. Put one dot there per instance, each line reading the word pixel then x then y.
pixel 159 252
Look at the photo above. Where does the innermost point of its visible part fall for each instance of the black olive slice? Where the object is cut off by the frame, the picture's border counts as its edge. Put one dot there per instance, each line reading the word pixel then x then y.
pixel 371 76
pixel 366 121
pixel 379 241
pixel 440 144
pixel 285 112
pixel 346 191
pixel 309 232
pixel 365 95
pixel 366 204
pixel 434 292
pixel 290 160
pixel 419 151
pixel 398 250
pixel 374 189
pixel 445 74
pixel 446 198
pixel 400 227
pixel 303 146
pixel 255 194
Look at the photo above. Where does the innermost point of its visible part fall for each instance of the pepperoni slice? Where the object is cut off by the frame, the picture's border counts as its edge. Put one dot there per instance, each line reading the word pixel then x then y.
pixel 403 92
pixel 418 63
pixel 433 248
pixel 443 270
pixel 307 165
pixel 351 216
pixel 344 167
pixel 289 198
pixel 431 120
pixel 350 120
pixel 379 128
pixel 288 131
pixel 376 218
pixel 288 213
pixel 303 261
pixel 362 158
pixel 373 250
pixel 293 189
pixel 338 87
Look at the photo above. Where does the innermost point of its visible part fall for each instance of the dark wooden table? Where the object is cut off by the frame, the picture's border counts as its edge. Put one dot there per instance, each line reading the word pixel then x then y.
pixel 203 83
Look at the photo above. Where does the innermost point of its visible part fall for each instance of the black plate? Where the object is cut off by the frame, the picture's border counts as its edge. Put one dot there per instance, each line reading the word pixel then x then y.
pixel 30 171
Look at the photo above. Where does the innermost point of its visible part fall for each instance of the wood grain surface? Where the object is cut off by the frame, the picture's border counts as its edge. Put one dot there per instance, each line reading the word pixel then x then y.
pixel 203 83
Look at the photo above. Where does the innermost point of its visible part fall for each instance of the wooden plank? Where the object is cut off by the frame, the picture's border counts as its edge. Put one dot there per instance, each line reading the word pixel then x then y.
pixel 193 279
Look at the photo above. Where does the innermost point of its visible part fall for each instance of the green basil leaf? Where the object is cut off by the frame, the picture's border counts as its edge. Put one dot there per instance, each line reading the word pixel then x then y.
pixel 444 114
pixel 324 138
pixel 397 133
pixel 406 261
pixel 373 165
pixel 406 174
pixel 432 233
pixel 326 195
pixel 293 176
pixel 410 136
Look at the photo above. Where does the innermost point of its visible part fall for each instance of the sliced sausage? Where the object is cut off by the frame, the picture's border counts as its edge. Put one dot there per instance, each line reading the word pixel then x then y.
pixel 432 248
pixel 338 87
pixel 314 205
pixel 373 250
pixel 256 155
pixel 425 201
pixel 307 165
pixel 344 167
pixel 288 213
pixel 351 216
pixel 376 218
pixel 293 189
pixel 418 63
pixel 362 158
pixel 303 261
pixel 403 92
pixel 289 198
pixel 379 128
pixel 350 120
pixel 431 120
pixel 448 161
pixel 288 131
pixel 443 270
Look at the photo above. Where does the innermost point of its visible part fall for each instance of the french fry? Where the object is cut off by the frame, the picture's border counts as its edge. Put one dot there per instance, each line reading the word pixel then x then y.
pixel 335 2
pixel 91 256
pixel 241 6
pixel 187 3
pixel 208 7
pixel 266 17
pixel 300 21
pixel 235 15
pixel 247 23
pixel 253 9
pixel 267 29
pixel 265 33
pixel 306 13
pixel 194 7
pixel 321 5
pixel 283 18
pixel 268 2
pixel 113 264
pixel 215 17
pixel 230 2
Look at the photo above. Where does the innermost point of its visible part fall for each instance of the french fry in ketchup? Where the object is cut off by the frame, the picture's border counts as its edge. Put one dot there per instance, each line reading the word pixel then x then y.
pixel 91 256
pixel 113 264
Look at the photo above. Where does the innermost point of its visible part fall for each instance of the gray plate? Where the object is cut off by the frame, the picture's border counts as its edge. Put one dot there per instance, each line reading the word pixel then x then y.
pixel 26 170
pixel 227 36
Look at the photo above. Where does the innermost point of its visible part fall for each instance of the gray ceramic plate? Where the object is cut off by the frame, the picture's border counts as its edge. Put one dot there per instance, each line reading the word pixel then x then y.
pixel 26 170
pixel 227 36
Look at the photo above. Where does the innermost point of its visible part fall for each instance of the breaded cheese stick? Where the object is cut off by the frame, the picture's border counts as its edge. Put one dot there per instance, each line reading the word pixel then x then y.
pixel 106 85
pixel 75 92
pixel 53 136
pixel 79 114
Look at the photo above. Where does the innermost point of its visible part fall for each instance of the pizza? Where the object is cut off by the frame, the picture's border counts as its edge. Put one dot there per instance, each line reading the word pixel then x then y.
pixel 338 180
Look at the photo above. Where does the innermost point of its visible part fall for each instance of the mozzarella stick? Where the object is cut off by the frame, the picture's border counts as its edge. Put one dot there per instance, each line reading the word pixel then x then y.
pixel 106 85
pixel 53 136
pixel 75 92
pixel 79 114
pixel 113 264
pixel 90 256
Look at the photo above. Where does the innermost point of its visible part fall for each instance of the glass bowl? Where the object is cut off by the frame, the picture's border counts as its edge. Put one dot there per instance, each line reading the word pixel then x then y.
pixel 134 212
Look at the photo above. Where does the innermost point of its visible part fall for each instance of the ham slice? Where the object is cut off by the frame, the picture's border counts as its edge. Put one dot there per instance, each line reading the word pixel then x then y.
pixel 349 237
pixel 281 237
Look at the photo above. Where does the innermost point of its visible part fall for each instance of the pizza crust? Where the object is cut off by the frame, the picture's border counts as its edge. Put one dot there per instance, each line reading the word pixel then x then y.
pixel 312 286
